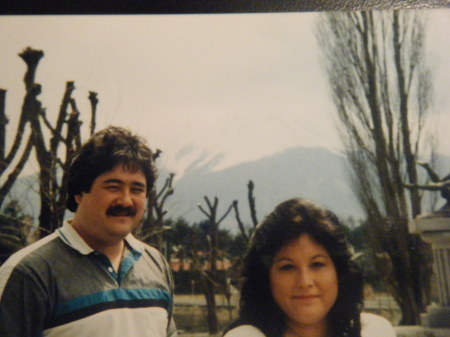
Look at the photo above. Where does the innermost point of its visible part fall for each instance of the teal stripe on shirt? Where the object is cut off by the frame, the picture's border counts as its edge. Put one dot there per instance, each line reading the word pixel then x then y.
pixel 111 296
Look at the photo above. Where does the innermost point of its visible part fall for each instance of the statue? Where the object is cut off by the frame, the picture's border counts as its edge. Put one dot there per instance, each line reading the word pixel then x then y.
pixel 436 184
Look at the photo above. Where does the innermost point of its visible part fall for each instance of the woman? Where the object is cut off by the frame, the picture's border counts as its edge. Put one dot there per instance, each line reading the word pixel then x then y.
pixel 300 280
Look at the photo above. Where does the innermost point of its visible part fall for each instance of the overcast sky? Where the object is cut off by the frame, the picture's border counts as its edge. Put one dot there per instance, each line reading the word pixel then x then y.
pixel 242 85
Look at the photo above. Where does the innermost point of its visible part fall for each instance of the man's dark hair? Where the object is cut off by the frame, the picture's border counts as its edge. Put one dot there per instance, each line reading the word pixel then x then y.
pixel 101 153
pixel 286 223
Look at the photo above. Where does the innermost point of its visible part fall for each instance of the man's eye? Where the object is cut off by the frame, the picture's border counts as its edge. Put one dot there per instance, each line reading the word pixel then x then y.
pixel 138 190
pixel 112 187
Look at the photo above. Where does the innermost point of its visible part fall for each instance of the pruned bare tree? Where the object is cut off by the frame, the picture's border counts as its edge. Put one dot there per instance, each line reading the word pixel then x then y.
pixel 52 189
pixel 152 229
pixel 252 206
pixel 52 159
pixel 381 88
pixel 13 161
pixel 209 278
pixel 15 229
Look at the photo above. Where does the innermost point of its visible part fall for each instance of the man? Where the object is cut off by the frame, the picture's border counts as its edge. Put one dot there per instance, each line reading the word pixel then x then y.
pixel 91 277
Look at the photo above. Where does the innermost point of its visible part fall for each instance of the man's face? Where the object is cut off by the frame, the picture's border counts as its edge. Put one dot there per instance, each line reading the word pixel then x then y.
pixel 112 208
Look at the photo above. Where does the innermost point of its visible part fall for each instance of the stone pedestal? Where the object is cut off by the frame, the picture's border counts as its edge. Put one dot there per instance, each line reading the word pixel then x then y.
pixel 435 229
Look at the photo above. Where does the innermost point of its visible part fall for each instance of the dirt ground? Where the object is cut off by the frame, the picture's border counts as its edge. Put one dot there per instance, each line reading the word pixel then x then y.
pixel 190 312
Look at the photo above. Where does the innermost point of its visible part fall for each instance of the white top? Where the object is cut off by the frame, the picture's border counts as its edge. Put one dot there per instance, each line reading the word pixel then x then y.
pixel 375 326
pixel 371 326
pixel 244 331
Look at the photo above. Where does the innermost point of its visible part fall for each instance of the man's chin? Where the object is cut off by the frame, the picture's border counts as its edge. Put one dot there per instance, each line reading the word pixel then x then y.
pixel 123 220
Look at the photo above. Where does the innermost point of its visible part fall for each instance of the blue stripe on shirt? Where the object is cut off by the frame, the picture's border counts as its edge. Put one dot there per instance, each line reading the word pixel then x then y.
pixel 112 295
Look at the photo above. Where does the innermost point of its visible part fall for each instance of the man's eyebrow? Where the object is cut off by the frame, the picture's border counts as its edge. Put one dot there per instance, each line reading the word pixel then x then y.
pixel 138 183
pixel 120 182
pixel 113 181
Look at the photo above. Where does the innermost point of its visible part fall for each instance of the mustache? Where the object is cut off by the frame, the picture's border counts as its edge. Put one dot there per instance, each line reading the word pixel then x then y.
pixel 121 211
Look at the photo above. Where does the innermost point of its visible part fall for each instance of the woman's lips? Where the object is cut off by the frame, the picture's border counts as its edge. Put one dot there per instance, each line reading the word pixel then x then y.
pixel 305 297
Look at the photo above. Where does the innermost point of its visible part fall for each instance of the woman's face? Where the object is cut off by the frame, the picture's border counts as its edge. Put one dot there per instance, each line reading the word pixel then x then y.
pixel 304 282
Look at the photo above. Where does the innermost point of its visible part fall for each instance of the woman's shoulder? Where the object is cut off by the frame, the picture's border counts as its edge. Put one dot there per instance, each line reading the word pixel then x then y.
pixel 244 331
pixel 374 326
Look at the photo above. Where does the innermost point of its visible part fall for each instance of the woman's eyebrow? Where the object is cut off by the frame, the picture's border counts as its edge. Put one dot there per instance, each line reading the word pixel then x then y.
pixel 282 259
pixel 320 255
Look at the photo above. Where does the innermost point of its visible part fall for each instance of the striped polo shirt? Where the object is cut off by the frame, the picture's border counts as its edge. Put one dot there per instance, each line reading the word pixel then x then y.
pixel 59 286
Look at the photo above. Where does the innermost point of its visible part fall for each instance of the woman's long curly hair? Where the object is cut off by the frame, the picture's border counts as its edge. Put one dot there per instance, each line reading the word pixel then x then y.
pixel 286 223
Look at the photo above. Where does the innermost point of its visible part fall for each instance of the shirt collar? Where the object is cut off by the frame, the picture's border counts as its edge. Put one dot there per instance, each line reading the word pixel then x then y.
pixel 70 237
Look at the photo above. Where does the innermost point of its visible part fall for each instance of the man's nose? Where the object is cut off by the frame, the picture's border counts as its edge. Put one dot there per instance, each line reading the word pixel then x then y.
pixel 125 198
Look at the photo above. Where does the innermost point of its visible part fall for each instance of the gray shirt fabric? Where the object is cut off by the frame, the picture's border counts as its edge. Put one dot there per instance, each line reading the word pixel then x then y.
pixel 59 286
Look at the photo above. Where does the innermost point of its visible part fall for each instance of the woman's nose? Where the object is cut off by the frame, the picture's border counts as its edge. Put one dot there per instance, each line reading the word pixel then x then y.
pixel 304 279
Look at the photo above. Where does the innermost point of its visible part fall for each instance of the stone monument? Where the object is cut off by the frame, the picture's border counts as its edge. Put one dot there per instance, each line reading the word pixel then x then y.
pixel 435 229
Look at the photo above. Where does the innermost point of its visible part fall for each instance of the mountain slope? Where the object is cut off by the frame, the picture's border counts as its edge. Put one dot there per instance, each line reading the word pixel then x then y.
pixel 313 173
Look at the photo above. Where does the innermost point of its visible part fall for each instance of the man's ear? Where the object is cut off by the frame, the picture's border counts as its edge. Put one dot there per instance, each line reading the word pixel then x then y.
pixel 78 198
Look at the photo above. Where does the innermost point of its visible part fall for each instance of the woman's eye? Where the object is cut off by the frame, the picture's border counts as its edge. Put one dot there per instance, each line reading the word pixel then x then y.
pixel 287 267
pixel 318 264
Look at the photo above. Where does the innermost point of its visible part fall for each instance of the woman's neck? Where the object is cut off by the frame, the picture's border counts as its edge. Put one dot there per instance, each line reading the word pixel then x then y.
pixel 314 330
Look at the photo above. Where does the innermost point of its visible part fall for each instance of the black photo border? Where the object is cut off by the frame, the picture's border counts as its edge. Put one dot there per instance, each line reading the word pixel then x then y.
pixel 100 7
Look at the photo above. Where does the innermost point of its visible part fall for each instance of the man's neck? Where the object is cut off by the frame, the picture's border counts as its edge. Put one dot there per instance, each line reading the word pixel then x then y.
pixel 114 252
pixel 113 249
pixel 115 255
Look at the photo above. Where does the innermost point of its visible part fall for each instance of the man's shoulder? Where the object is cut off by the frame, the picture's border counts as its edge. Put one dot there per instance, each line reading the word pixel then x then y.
pixel 147 250
pixel 31 258
pixel 36 250
pixel 142 246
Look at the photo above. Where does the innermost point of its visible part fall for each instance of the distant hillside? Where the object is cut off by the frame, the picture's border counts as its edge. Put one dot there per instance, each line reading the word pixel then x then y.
pixel 316 174
pixel 313 173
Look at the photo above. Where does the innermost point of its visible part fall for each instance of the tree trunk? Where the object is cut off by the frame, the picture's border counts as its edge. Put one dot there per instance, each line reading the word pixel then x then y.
pixel 374 61
pixel 3 122
pixel 213 326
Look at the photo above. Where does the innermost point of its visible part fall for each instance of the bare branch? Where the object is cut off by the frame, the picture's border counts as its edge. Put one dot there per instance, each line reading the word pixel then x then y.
pixel 208 202
pixel 431 173
pixel 251 202
pixel 167 185
pixel 156 154
pixel 238 219
pixel 225 214
pixel 203 211
pixel 94 101
pixel 57 130
pixel 31 58
pixel 6 187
